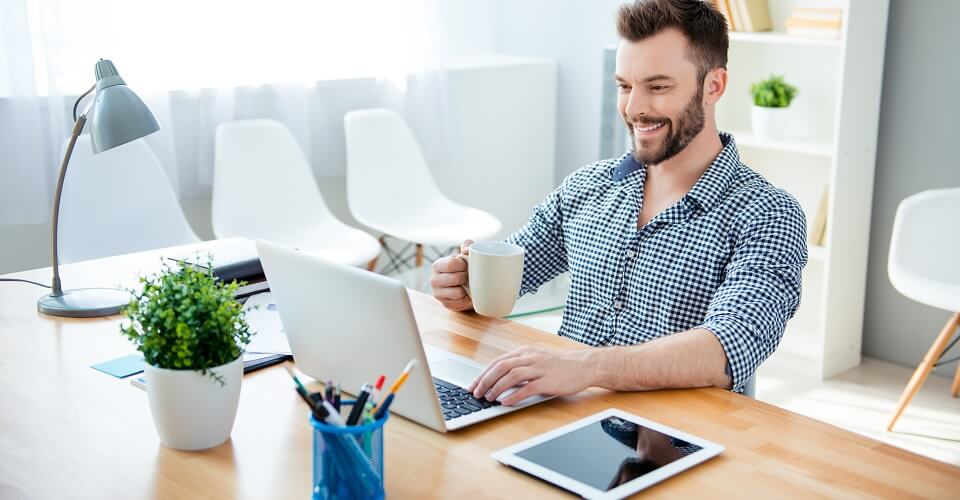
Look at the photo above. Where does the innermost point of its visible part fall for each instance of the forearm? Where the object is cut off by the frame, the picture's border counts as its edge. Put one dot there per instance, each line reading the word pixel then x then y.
pixel 693 358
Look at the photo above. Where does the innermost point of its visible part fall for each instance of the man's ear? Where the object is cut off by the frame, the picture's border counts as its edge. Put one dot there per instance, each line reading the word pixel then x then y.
pixel 714 85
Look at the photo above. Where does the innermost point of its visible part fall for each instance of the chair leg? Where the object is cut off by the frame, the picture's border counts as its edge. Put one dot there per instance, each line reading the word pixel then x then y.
pixel 419 255
pixel 955 389
pixel 372 264
pixel 920 375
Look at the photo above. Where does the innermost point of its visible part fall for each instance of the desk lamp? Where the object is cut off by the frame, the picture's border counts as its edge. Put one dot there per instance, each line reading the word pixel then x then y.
pixel 117 116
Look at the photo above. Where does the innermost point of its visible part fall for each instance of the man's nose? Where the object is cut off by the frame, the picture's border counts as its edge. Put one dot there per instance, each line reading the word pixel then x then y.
pixel 637 106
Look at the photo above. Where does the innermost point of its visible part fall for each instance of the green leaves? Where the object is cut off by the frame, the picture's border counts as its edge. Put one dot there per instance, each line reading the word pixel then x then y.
pixel 772 92
pixel 186 320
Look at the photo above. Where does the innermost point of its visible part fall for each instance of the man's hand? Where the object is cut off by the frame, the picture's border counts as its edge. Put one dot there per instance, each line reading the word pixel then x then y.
pixel 447 278
pixel 542 371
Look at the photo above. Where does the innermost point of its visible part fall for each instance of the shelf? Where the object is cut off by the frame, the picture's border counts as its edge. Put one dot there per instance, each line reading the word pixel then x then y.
pixel 780 38
pixel 746 138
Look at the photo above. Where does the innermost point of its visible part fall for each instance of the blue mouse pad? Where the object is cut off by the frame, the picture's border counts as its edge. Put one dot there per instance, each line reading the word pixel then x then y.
pixel 121 367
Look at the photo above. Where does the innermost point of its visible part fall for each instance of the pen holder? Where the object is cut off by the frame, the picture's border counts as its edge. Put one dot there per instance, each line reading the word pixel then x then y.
pixel 348 461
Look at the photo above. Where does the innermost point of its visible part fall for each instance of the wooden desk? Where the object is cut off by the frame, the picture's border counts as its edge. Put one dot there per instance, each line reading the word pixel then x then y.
pixel 68 431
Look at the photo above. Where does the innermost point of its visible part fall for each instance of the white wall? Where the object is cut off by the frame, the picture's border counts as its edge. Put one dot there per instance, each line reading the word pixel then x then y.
pixel 916 150
pixel 573 33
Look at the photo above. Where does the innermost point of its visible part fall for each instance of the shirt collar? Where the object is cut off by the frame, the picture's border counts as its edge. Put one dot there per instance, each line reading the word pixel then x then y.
pixel 712 185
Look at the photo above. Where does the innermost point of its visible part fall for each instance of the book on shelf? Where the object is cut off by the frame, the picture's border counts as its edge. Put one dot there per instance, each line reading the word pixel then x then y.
pixel 745 15
pixel 754 15
pixel 815 22
pixel 818 231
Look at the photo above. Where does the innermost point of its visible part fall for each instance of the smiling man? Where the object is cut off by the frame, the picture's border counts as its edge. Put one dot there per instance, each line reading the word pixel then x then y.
pixel 685 264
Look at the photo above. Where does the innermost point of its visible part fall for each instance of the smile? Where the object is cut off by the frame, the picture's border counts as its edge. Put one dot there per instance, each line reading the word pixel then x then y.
pixel 651 128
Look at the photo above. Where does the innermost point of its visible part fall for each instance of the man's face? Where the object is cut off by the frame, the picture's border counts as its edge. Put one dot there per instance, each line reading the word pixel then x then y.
pixel 660 97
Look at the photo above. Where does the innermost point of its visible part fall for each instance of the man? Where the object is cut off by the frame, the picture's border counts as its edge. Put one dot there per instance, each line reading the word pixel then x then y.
pixel 685 264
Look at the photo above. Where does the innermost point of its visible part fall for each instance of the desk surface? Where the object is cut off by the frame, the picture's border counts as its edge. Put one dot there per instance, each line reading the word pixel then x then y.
pixel 69 431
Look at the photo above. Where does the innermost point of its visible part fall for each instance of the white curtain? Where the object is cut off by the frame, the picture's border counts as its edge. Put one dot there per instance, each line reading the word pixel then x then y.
pixel 198 64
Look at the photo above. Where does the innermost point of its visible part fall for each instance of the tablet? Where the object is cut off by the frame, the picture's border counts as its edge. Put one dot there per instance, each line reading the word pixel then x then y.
pixel 611 454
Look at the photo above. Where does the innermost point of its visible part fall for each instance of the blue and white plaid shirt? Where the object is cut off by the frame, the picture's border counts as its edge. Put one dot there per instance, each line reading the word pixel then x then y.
pixel 727 257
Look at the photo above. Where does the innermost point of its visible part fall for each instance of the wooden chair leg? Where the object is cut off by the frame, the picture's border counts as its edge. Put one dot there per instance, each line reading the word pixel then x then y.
pixel 919 376
pixel 955 389
pixel 419 255
pixel 372 264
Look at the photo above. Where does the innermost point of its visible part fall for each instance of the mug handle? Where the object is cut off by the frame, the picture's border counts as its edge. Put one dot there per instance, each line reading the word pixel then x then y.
pixel 466 288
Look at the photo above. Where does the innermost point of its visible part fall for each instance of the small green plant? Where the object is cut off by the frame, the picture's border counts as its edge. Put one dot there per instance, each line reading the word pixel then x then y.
pixel 184 319
pixel 772 92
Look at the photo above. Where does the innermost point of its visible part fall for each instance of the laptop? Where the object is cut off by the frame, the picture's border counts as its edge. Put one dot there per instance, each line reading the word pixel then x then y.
pixel 352 325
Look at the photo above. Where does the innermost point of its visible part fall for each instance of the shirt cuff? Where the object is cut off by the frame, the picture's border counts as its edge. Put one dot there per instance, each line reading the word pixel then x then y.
pixel 739 344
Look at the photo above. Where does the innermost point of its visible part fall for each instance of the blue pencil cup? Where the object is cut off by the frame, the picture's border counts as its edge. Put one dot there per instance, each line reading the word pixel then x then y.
pixel 348 461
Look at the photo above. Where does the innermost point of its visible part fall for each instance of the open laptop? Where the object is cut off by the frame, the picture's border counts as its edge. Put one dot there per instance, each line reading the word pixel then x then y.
pixel 351 325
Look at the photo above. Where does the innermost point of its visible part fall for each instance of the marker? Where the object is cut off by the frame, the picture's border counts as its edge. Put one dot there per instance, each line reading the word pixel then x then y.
pixel 377 387
pixel 382 408
pixel 359 405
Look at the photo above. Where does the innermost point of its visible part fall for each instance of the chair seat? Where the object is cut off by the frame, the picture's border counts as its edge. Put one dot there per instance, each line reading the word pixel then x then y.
pixel 942 294
pixel 332 241
pixel 443 225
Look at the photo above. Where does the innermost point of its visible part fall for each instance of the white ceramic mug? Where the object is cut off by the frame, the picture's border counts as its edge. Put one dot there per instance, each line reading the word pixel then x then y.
pixel 494 272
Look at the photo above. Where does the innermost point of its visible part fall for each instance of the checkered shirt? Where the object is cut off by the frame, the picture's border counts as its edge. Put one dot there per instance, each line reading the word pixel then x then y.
pixel 727 257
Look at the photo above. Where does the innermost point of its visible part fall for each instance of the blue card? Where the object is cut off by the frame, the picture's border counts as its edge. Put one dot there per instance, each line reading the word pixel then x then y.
pixel 121 367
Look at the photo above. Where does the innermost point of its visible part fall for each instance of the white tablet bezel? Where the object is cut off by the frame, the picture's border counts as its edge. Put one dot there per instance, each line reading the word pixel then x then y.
pixel 508 456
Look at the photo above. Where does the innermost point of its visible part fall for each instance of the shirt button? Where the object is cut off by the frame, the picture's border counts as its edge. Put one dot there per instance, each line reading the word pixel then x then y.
pixel 631 254
pixel 618 305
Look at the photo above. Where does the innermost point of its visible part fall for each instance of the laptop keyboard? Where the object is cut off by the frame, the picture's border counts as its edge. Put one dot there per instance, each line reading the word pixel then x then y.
pixel 457 402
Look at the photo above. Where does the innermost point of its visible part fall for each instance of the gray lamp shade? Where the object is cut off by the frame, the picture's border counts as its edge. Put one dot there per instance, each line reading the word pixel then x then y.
pixel 118 115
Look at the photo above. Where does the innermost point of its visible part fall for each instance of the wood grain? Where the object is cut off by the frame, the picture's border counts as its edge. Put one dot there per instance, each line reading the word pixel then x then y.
pixel 69 431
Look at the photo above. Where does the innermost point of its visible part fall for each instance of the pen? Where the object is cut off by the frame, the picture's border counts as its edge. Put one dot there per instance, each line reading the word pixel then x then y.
pixel 328 391
pixel 336 398
pixel 359 405
pixel 319 412
pixel 377 387
pixel 382 408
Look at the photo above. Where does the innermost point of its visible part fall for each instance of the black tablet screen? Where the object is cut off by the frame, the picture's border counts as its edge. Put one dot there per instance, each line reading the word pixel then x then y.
pixel 608 453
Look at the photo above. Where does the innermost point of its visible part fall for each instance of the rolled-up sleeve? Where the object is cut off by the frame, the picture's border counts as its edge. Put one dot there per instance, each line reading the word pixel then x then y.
pixel 761 288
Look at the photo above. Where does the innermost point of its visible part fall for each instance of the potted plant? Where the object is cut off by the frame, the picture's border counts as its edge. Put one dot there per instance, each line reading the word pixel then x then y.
pixel 192 333
pixel 770 115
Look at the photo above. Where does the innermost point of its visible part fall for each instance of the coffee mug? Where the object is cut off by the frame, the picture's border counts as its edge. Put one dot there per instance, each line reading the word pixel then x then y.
pixel 494 272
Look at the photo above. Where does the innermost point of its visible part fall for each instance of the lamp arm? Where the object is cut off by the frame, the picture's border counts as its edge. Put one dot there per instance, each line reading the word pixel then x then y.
pixel 56 289
pixel 80 99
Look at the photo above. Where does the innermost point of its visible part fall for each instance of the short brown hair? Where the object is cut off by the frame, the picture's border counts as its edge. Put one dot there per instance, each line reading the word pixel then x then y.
pixel 698 20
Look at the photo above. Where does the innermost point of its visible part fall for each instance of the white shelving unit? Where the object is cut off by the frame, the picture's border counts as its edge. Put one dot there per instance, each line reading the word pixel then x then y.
pixel 839 106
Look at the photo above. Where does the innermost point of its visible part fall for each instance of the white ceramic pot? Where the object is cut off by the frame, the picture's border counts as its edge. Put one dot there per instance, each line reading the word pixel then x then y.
pixel 192 411
pixel 772 123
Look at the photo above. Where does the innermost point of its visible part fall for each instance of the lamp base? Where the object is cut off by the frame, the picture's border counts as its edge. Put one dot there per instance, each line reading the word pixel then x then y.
pixel 84 302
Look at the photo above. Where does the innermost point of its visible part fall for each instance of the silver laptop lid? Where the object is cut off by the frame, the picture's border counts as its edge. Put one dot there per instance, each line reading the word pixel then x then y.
pixel 350 325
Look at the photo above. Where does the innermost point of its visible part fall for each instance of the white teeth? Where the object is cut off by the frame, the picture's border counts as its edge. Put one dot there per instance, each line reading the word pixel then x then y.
pixel 647 129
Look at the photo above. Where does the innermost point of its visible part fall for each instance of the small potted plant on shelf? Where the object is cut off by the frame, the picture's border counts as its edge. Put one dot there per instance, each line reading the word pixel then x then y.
pixel 771 115
pixel 191 332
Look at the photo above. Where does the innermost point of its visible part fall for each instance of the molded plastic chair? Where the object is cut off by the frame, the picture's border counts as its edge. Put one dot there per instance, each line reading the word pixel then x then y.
pixel 390 189
pixel 119 201
pixel 924 265
pixel 263 188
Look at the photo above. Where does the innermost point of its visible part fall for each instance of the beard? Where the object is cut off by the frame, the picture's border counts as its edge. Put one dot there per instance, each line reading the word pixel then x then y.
pixel 679 133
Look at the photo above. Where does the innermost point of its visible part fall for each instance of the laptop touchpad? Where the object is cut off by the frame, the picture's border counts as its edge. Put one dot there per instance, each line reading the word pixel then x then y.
pixel 454 371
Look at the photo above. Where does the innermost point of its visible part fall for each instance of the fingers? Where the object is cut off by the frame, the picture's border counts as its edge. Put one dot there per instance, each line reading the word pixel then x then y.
pixel 448 280
pixel 465 247
pixel 496 372
pixel 513 378
pixel 452 264
pixel 463 304
pixel 524 392
pixel 490 365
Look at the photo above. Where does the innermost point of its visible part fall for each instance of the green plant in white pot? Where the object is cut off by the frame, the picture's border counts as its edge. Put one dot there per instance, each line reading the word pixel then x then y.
pixel 771 115
pixel 192 333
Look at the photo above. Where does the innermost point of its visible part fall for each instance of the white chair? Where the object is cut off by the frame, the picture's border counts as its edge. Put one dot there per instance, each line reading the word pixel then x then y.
pixel 119 201
pixel 390 189
pixel 924 265
pixel 263 188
